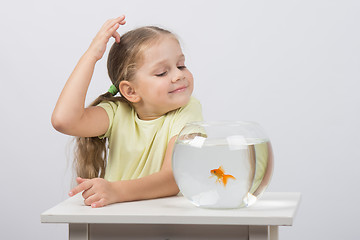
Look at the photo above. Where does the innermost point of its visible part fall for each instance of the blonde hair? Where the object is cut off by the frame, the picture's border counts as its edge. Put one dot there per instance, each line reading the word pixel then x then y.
pixel 123 60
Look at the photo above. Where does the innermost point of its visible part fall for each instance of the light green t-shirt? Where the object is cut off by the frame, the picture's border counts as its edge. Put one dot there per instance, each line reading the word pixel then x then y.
pixel 137 147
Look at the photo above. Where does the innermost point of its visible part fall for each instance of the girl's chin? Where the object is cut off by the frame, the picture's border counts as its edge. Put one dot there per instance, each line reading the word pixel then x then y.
pixel 182 102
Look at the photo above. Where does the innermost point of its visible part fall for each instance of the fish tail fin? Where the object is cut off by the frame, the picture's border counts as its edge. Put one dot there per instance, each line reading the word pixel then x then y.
pixel 232 177
pixel 226 177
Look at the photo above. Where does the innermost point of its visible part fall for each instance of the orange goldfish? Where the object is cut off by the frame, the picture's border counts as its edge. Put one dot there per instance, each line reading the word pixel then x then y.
pixel 221 176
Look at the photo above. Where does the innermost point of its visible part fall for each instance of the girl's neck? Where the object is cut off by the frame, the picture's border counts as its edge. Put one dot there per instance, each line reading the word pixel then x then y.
pixel 149 117
pixel 146 115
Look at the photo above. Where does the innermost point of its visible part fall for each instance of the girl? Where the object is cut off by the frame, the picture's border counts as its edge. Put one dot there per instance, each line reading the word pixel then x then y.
pixel 147 67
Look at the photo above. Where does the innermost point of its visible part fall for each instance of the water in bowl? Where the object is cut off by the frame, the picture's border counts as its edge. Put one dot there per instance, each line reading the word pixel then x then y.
pixel 196 165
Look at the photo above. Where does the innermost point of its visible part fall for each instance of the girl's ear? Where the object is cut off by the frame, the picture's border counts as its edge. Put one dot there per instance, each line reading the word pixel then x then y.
pixel 127 90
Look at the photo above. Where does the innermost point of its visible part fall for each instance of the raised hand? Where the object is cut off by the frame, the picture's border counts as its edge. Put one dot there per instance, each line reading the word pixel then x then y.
pixel 98 45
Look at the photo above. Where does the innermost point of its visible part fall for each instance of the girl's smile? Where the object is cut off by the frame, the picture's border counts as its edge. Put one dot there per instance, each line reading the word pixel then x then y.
pixel 179 89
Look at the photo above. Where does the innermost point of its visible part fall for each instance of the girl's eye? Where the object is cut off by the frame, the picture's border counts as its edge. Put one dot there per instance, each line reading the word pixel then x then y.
pixel 161 74
pixel 181 67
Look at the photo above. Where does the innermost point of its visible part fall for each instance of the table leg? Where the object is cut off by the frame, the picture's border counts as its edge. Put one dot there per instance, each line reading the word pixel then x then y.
pixel 78 231
pixel 263 233
pixel 274 232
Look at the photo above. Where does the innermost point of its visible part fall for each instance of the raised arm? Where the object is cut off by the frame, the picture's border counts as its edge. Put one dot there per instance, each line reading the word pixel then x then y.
pixel 70 115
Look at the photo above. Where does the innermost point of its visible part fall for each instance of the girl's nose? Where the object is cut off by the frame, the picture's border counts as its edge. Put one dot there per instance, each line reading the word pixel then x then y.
pixel 179 75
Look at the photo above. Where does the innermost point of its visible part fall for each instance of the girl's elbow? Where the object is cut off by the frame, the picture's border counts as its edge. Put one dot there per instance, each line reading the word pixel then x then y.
pixel 176 191
pixel 59 123
pixel 171 180
pixel 56 122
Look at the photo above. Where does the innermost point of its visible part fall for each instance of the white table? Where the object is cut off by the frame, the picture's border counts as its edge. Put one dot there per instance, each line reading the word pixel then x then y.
pixel 175 218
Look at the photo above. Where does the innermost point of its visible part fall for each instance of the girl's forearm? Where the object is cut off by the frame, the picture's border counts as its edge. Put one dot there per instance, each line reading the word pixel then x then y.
pixel 161 184
pixel 71 103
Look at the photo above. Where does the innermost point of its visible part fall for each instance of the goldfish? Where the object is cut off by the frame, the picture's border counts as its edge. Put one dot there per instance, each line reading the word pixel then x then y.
pixel 221 176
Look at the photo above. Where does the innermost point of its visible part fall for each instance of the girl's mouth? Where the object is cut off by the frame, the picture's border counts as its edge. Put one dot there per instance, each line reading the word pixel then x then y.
pixel 180 89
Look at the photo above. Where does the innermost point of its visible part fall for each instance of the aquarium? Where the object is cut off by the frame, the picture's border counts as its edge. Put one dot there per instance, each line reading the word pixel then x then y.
pixel 222 164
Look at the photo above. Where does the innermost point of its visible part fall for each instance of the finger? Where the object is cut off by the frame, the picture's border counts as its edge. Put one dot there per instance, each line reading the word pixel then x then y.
pixel 111 32
pixel 117 37
pixel 120 19
pixel 114 28
pixel 90 200
pixel 115 34
pixel 111 22
pixel 110 27
pixel 81 187
pixel 87 193
pixel 100 203
pixel 80 180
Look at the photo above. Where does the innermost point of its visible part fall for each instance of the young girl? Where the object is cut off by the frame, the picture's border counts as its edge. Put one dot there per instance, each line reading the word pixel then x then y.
pixel 147 67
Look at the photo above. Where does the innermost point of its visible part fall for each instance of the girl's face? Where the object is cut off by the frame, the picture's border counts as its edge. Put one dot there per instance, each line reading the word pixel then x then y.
pixel 163 82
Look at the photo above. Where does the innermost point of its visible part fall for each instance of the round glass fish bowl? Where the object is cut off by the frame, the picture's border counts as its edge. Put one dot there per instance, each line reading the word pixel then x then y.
pixel 222 164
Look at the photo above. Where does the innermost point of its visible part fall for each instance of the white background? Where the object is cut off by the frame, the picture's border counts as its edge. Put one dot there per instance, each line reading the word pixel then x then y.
pixel 292 66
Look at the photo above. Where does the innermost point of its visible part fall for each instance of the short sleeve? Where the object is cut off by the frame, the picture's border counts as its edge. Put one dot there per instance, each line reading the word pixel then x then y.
pixel 110 108
pixel 192 112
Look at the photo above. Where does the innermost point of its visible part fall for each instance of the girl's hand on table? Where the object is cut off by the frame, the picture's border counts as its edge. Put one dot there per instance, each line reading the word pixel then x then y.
pixel 97 192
